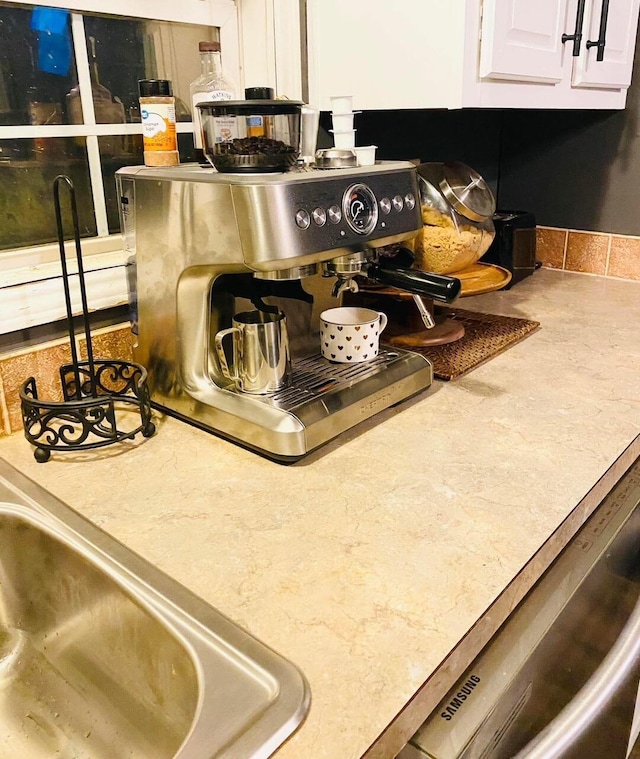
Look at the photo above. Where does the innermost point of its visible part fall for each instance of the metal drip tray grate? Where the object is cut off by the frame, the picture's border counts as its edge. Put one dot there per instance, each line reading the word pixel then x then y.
pixel 313 376
pixel 322 400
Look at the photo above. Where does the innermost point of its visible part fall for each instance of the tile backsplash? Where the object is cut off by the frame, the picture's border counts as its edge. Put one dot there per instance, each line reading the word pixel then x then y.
pixel 607 255
pixel 43 362
pixel 599 253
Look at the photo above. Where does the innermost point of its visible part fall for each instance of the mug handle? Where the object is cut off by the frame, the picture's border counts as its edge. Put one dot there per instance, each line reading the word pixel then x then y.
pixel 220 351
pixel 383 320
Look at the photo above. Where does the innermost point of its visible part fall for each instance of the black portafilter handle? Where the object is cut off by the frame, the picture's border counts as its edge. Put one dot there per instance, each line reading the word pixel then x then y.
pixel 436 286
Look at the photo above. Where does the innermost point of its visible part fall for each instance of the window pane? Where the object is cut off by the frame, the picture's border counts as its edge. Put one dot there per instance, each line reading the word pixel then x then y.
pixel 39 85
pixel 121 51
pixel 27 171
pixel 37 67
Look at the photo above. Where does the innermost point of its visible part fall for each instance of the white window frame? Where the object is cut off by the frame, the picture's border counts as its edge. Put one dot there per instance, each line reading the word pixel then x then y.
pixel 31 291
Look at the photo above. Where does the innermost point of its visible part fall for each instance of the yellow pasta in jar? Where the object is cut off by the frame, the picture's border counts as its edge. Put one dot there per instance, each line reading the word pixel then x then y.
pixel 444 248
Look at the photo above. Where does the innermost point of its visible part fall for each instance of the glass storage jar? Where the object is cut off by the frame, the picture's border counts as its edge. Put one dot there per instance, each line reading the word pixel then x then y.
pixel 457 215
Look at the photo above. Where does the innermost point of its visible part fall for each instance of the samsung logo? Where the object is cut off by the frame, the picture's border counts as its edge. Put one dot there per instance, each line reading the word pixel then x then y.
pixel 458 700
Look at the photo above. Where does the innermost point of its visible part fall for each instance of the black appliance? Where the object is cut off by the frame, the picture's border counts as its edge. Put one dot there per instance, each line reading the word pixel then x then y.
pixel 514 246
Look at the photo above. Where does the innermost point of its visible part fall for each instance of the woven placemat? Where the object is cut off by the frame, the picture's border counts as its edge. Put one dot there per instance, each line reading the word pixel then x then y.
pixel 485 336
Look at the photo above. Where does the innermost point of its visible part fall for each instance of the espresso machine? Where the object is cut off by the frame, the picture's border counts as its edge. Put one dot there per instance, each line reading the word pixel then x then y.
pixel 203 246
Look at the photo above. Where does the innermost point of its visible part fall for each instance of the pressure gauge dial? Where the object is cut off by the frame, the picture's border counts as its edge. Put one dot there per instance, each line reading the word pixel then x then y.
pixel 360 208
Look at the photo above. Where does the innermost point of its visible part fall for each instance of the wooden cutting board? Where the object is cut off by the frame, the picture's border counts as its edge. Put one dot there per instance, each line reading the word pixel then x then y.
pixel 482 278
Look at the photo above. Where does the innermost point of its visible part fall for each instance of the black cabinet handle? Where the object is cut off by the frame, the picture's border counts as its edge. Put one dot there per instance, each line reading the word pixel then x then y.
pixel 602 32
pixel 577 34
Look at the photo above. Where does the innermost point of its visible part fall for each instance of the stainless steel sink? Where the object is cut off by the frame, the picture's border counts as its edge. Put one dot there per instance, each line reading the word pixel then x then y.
pixel 102 656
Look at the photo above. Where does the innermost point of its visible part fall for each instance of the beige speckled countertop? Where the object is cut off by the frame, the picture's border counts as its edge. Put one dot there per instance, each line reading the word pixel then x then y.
pixel 369 563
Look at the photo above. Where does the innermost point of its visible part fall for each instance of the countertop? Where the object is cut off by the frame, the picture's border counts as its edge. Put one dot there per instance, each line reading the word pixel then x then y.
pixel 373 562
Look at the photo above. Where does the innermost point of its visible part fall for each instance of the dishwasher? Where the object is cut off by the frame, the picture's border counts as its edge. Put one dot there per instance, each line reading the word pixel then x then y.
pixel 560 678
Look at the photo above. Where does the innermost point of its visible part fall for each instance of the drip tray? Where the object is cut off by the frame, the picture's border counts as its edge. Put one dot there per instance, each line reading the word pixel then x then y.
pixel 323 400
pixel 314 376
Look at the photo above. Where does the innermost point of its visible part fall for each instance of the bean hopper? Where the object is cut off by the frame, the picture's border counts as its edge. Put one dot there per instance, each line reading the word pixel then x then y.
pixel 251 136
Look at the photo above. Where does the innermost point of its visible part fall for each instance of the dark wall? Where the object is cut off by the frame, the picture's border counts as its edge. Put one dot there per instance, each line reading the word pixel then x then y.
pixel 576 169
pixel 559 164
pixel 467 135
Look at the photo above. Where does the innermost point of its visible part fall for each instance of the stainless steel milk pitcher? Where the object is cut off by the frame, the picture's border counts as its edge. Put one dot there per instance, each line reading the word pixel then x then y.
pixel 261 360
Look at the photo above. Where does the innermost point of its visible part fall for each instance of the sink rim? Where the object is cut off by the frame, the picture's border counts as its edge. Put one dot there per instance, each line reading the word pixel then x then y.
pixel 201 628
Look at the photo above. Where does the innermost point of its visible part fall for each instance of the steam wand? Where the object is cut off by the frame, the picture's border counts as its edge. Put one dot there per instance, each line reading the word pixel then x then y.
pixel 428 320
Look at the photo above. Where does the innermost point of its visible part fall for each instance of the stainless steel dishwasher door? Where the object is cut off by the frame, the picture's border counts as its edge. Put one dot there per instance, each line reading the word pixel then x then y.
pixel 541 662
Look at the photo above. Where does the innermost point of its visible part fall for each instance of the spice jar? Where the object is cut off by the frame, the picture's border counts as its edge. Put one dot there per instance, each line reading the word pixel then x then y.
pixel 457 215
pixel 158 112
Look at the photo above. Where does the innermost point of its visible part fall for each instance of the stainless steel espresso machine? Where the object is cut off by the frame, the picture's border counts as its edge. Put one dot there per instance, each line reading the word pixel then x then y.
pixel 204 246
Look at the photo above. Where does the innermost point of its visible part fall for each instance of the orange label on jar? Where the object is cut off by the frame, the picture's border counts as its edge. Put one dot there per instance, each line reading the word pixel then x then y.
pixel 159 126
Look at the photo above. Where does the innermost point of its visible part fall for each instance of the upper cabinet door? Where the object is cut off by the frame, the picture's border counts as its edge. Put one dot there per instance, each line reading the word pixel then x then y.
pixel 614 24
pixel 408 54
pixel 522 40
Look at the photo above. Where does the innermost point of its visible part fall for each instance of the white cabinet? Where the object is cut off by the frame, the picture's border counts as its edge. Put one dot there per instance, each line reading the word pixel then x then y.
pixel 444 53
pixel 523 41
pixel 402 54
pixel 620 19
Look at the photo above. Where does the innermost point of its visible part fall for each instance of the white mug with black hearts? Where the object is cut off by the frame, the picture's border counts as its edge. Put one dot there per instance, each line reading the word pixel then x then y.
pixel 350 334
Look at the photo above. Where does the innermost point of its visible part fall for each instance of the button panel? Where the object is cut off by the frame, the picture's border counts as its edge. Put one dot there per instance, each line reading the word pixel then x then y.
pixel 334 214
pixel 321 211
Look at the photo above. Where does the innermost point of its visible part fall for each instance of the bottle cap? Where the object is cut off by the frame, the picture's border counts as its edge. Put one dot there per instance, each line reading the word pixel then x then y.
pixel 259 93
pixel 154 88
pixel 209 47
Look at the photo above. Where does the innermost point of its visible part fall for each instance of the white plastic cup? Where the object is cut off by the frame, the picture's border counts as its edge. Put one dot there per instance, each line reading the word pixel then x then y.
pixel 341 103
pixel 342 122
pixel 346 139
pixel 366 155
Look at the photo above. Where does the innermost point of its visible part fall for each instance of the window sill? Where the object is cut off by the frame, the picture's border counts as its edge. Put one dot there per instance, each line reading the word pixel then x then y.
pixel 34 294
pixel 23 265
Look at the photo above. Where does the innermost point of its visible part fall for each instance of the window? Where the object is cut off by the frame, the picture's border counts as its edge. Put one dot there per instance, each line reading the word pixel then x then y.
pixel 69 105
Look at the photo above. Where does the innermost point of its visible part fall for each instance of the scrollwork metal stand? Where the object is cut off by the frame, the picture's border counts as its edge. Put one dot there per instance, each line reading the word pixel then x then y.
pixel 96 392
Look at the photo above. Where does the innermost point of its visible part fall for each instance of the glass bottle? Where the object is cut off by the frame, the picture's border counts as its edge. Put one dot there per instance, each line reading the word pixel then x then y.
pixel 212 84
pixel 107 109
pixel 43 109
